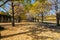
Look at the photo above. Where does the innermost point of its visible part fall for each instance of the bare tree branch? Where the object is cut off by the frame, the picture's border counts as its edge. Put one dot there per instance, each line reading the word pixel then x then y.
pixel 4 3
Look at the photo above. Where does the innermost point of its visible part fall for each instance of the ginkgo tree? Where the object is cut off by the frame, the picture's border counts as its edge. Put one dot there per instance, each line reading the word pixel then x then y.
pixel 39 7
pixel 18 11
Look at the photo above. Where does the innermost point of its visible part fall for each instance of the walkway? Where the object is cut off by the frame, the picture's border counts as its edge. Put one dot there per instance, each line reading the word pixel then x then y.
pixel 30 31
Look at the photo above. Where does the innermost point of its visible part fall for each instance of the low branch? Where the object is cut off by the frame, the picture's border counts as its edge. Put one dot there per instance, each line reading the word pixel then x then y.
pixel 4 3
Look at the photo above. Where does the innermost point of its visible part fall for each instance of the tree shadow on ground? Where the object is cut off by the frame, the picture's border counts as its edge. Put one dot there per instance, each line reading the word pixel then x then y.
pixel 2 28
pixel 34 31
pixel 38 30
pixel 52 26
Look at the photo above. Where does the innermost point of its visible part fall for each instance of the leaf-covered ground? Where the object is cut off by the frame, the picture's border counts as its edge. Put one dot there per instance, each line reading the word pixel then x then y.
pixel 30 31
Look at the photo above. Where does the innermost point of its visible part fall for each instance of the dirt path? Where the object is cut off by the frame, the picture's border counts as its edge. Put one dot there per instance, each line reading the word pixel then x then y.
pixel 30 31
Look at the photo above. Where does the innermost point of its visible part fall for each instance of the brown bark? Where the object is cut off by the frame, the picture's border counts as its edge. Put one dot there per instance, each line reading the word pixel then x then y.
pixel 13 24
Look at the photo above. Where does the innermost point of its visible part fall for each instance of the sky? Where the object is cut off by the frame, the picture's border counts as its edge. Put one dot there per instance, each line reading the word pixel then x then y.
pixel 7 6
pixel 51 11
pixel 32 1
pixel 53 7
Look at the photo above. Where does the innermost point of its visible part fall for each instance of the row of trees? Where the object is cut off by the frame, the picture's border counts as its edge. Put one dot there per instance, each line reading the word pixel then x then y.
pixel 34 9
pixel 37 8
pixel 21 7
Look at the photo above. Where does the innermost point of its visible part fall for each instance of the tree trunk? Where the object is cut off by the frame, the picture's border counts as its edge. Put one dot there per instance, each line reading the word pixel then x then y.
pixel 19 19
pixel 13 24
pixel 42 17
pixel 57 17
pixel 56 8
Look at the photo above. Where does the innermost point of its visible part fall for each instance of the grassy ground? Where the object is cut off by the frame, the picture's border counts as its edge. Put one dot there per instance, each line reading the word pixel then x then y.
pixel 30 31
